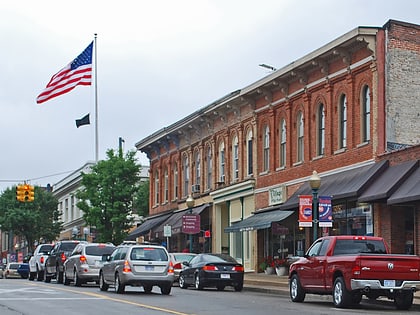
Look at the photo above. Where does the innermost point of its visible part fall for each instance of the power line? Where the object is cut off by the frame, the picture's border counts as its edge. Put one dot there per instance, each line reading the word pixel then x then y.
pixel 31 179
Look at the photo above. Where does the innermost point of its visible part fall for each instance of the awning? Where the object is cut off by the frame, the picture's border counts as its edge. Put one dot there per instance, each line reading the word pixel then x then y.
pixel 388 182
pixel 147 225
pixel 259 220
pixel 408 191
pixel 175 220
pixel 347 184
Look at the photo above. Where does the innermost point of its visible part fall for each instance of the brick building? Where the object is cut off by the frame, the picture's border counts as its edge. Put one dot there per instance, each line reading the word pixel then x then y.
pixel 344 110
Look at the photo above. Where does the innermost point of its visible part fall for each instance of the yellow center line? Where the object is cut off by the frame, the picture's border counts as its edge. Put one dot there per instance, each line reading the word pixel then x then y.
pixel 97 295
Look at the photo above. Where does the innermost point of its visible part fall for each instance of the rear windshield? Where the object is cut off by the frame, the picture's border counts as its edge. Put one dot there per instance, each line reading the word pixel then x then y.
pixel 343 247
pixel 99 250
pixel 149 254
pixel 68 246
pixel 45 248
pixel 13 266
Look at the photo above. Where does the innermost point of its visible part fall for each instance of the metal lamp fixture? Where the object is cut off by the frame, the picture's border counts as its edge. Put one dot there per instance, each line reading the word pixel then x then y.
pixel 315 183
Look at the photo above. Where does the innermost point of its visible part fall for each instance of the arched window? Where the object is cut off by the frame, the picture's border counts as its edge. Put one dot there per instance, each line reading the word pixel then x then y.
pixel 300 137
pixel 156 188
pixel 175 173
pixel 186 176
pixel 249 153
pixel 222 163
pixel 365 114
pixel 342 123
pixel 282 161
pixel 197 172
pixel 209 168
pixel 266 149
pixel 235 158
pixel 166 185
pixel 321 130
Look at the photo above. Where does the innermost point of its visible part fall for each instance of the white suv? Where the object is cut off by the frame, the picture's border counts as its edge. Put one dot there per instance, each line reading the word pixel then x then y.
pixel 137 265
pixel 37 261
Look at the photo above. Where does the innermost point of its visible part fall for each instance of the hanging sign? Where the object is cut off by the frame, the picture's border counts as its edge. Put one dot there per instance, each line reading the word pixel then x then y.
pixel 305 211
pixel 325 211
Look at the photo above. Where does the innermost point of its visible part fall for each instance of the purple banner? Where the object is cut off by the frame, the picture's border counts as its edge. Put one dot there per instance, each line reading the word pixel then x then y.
pixel 325 211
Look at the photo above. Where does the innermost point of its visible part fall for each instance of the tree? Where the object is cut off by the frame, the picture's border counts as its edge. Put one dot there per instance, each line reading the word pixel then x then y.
pixel 107 193
pixel 141 202
pixel 34 221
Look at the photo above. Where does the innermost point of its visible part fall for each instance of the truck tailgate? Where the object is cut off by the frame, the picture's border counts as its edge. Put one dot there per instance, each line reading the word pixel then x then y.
pixel 397 267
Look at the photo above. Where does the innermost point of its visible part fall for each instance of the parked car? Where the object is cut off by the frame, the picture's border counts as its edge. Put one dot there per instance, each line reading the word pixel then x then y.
pixel 54 265
pixel 212 270
pixel 16 270
pixel 84 263
pixel 37 261
pixel 2 268
pixel 23 270
pixel 137 265
pixel 178 259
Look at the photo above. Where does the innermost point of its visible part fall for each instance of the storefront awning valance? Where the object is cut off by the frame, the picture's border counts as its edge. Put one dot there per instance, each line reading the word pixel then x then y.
pixel 146 226
pixel 388 182
pixel 408 191
pixel 175 220
pixel 259 220
pixel 347 184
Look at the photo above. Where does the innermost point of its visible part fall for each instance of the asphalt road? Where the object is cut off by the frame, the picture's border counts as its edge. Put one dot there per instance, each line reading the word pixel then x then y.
pixel 23 297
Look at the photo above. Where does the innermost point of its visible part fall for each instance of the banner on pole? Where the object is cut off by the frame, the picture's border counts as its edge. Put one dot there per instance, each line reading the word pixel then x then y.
pixel 325 211
pixel 305 211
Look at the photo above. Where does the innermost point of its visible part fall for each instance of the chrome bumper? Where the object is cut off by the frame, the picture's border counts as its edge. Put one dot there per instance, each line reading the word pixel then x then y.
pixel 360 284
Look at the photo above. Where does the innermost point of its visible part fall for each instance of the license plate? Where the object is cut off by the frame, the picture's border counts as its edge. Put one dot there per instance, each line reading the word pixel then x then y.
pixel 389 283
pixel 225 276
pixel 150 268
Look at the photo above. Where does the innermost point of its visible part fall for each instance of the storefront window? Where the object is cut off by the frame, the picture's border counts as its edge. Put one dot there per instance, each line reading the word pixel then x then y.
pixel 352 219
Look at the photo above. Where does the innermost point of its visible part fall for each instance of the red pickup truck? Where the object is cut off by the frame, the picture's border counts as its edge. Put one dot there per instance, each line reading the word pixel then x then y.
pixel 348 267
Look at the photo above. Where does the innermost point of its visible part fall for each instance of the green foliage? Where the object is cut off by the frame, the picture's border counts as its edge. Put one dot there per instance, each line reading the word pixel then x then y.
pixel 106 196
pixel 141 202
pixel 34 221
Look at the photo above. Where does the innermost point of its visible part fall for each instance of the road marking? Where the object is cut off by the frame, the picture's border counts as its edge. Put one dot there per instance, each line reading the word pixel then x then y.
pixel 101 296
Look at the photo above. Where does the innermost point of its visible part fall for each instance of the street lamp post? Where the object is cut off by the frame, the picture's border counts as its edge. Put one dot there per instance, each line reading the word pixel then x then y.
pixel 190 205
pixel 315 183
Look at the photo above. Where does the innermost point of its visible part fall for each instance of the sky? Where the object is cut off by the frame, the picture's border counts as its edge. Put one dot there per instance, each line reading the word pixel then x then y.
pixel 157 62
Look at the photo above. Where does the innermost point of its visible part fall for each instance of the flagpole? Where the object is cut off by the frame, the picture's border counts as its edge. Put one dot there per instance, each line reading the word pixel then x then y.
pixel 96 102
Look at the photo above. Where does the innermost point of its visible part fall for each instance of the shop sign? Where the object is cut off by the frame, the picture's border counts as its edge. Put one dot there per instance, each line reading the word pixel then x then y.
pixel 191 223
pixel 275 195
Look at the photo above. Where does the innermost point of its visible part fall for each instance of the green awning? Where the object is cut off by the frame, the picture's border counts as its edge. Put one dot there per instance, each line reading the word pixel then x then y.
pixel 259 220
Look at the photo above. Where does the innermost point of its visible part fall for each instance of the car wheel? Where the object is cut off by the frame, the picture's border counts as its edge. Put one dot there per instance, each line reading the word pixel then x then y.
pixel 102 285
pixel 341 296
pixel 239 287
pixel 147 288
pixel 77 281
pixel 166 289
pixel 32 276
pixel 403 300
pixel 58 275
pixel 66 280
pixel 39 275
pixel 297 294
pixel 182 283
pixel 198 284
pixel 119 287
pixel 220 287
pixel 47 278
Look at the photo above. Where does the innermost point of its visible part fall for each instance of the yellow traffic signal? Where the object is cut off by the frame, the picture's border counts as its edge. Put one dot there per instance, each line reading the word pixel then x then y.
pixel 28 193
pixel 20 193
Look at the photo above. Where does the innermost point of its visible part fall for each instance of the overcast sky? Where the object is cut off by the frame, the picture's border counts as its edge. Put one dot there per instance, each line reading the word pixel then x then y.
pixel 157 61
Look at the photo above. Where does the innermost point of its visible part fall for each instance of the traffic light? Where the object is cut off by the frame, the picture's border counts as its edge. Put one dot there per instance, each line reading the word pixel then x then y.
pixel 20 193
pixel 28 193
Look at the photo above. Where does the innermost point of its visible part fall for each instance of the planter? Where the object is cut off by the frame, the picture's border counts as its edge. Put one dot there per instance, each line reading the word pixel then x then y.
pixel 269 271
pixel 281 271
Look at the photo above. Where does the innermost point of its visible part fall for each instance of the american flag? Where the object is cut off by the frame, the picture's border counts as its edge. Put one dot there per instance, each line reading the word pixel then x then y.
pixel 78 72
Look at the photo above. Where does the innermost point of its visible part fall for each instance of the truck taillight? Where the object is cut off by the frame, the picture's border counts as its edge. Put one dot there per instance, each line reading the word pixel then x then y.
pixel 356 270
pixel 42 260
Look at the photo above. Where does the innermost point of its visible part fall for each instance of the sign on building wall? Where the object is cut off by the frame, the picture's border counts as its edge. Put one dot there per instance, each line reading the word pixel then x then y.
pixel 275 195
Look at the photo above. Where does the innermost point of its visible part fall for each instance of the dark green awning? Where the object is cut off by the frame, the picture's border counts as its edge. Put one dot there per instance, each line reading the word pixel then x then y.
pixel 259 220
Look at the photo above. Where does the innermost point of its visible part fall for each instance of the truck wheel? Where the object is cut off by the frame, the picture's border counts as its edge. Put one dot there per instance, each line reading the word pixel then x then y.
pixel 341 296
pixel 297 293
pixel 403 300
pixel 58 275
pixel 32 276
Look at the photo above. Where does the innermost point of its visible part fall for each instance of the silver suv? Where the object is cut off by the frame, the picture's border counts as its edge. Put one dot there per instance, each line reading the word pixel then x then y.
pixel 137 265
pixel 84 263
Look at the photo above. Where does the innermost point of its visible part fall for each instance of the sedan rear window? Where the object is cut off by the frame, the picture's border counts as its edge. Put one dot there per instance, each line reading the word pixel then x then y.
pixel 148 254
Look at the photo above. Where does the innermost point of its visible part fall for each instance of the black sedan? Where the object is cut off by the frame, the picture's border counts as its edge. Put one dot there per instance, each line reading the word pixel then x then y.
pixel 212 270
